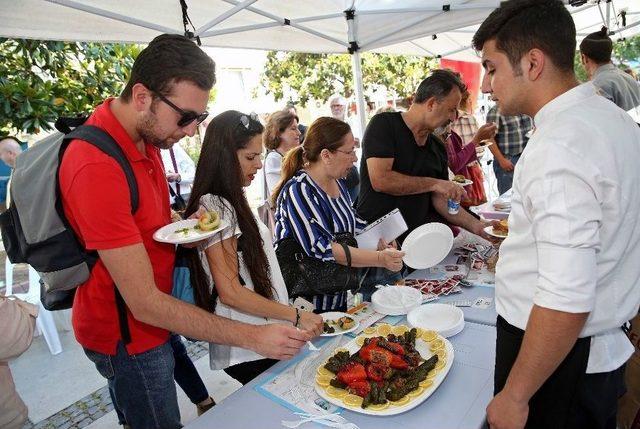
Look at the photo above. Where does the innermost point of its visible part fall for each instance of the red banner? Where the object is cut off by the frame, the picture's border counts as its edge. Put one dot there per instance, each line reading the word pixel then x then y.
pixel 470 72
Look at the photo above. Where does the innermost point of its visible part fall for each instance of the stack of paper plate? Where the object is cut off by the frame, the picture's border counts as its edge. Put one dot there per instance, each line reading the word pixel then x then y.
pixel 396 300
pixel 445 319
pixel 427 245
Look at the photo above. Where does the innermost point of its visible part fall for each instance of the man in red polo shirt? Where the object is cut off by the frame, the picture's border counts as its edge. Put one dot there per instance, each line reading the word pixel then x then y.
pixel 164 100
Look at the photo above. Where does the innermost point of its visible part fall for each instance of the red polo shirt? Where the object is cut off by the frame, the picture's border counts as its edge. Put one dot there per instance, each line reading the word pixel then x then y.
pixel 96 200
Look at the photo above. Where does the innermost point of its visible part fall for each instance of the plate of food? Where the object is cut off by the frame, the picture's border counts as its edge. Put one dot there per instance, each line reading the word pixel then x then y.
pixel 459 179
pixel 499 230
pixel 338 323
pixel 191 230
pixel 386 371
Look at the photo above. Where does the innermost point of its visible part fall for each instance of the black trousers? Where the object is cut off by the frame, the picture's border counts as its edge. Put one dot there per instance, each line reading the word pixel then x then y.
pixel 246 371
pixel 570 398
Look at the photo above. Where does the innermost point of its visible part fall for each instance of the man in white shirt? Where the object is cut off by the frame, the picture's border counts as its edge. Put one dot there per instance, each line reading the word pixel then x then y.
pixel 568 275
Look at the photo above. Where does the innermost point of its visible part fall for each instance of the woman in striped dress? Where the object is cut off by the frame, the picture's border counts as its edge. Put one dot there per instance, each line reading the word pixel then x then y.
pixel 312 205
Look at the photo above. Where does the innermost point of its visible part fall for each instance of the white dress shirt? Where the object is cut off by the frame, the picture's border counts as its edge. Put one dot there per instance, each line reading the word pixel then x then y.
pixel 574 228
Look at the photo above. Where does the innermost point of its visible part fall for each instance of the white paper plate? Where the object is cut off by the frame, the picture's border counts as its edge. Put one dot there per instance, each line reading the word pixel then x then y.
pixel 445 319
pixel 396 300
pixel 427 245
pixel 465 183
pixel 172 233
pixel 423 348
pixel 335 315
pixel 489 230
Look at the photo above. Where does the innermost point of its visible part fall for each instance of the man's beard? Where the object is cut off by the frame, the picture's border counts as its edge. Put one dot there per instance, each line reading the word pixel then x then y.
pixel 145 129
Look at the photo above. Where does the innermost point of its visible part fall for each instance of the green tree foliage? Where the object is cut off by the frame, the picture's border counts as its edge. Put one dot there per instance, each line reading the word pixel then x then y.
pixel 624 50
pixel 42 80
pixel 318 76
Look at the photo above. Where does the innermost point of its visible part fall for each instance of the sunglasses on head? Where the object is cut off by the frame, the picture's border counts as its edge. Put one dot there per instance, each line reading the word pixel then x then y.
pixel 186 116
pixel 245 120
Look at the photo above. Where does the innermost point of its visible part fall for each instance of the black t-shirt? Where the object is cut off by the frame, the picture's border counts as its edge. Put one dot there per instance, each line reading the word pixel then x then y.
pixel 388 136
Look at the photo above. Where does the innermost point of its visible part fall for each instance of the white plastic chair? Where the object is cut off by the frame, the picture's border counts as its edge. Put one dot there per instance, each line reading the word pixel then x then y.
pixel 44 322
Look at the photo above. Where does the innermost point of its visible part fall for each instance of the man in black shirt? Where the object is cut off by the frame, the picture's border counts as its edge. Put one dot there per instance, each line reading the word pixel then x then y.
pixel 404 165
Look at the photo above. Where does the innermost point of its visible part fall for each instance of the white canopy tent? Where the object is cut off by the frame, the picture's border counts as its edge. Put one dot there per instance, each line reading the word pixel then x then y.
pixel 441 28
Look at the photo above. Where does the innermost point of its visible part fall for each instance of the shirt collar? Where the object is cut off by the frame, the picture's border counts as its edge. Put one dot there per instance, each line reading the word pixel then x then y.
pixel 604 68
pixel 564 101
pixel 105 119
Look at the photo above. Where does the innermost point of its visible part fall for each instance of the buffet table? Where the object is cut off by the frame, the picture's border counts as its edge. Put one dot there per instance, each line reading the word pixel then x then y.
pixel 459 402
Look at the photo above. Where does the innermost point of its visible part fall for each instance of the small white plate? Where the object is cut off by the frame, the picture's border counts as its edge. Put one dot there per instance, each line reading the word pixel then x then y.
pixel 396 300
pixel 489 230
pixel 445 319
pixel 465 183
pixel 427 245
pixel 335 315
pixel 173 233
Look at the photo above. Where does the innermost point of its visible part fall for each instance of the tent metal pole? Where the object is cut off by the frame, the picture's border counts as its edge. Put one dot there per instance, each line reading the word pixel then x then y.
pixel 619 30
pixel 291 23
pixel 381 40
pixel 217 20
pixel 115 16
pixel 491 5
pixel 608 14
pixel 356 68
pixel 232 30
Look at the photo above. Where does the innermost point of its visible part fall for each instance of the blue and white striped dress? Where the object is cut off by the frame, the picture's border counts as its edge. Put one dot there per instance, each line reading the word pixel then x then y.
pixel 305 212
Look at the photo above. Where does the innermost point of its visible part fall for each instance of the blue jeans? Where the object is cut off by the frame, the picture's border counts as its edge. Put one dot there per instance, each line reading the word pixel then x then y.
pixel 505 178
pixel 185 372
pixel 142 386
pixel 378 276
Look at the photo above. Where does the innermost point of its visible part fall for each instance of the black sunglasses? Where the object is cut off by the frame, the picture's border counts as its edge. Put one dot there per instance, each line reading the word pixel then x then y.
pixel 186 116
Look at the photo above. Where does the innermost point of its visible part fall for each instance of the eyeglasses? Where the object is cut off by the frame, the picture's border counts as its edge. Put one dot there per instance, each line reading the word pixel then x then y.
pixel 186 116
pixel 245 120
pixel 350 153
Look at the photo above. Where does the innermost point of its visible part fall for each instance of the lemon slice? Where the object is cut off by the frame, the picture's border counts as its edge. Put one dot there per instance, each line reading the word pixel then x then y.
pixel 323 380
pixel 436 345
pixel 370 330
pixel 429 336
pixel 378 407
pixel 341 349
pixel 384 329
pixel 426 383
pixel 416 392
pixel 440 364
pixel 360 341
pixel 419 332
pixel 400 402
pixel 324 371
pixel 334 392
pixel 442 354
pixel 399 330
pixel 352 400
pixel 432 374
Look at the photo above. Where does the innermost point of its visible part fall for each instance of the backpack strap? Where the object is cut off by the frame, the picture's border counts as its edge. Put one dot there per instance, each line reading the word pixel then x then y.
pixel 103 141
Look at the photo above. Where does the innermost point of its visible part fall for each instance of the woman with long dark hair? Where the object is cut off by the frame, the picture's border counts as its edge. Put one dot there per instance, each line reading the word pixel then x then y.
pixel 236 273
pixel 313 207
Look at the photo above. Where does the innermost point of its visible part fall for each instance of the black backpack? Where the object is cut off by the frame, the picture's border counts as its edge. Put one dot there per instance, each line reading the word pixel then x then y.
pixel 35 229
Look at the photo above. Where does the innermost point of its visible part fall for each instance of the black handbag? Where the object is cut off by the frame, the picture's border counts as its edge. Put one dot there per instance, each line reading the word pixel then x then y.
pixel 308 276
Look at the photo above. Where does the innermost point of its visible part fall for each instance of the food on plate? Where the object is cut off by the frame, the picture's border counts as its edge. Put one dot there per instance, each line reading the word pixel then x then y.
pixel 459 178
pixel 385 370
pixel 344 323
pixel 208 221
pixel 501 228
pixel 183 231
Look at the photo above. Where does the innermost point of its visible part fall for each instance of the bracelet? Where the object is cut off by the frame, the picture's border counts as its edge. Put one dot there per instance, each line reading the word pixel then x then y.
pixel 297 317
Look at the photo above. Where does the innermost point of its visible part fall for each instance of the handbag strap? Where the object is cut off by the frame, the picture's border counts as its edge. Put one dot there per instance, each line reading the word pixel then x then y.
pixel 175 168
